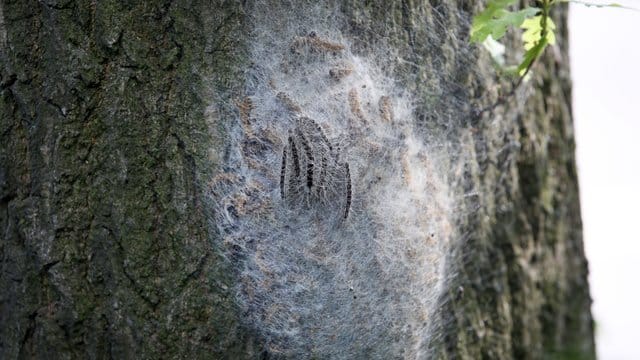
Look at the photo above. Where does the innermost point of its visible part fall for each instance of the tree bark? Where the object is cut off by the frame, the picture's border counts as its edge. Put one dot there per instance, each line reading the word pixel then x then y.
pixel 115 119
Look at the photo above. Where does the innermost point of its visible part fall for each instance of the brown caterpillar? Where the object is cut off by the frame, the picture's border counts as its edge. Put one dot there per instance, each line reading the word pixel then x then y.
pixel 283 171
pixel 309 150
pixel 348 205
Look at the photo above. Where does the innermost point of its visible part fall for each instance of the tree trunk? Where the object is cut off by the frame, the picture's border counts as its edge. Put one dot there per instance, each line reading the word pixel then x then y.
pixel 222 179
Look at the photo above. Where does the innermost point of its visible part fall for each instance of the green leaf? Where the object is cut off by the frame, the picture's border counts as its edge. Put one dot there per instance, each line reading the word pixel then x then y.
pixel 534 40
pixel 531 55
pixel 533 31
pixel 495 20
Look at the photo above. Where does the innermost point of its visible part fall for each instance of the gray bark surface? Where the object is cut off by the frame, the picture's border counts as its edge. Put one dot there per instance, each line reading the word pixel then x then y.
pixel 107 250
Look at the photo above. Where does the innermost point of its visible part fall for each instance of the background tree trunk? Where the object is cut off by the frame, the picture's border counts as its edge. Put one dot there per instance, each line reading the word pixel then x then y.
pixel 113 121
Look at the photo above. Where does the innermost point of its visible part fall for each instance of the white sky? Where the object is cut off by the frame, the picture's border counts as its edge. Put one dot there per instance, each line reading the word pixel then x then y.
pixel 605 65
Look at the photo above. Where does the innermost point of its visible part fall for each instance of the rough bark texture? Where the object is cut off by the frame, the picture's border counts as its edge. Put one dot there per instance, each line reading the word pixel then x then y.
pixel 105 149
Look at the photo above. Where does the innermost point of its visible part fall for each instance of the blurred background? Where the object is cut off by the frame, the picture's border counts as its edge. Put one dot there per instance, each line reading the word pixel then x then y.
pixel 605 65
